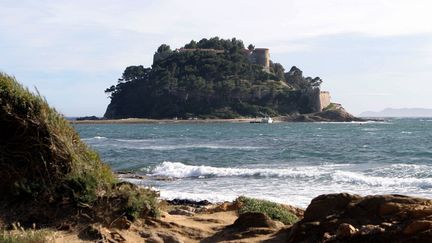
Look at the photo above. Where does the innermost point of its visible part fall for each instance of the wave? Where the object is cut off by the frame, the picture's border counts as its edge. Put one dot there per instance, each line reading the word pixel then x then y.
pixel 370 129
pixel 321 173
pixel 134 140
pixel 180 170
pixel 374 181
pixel 209 196
pixel 95 138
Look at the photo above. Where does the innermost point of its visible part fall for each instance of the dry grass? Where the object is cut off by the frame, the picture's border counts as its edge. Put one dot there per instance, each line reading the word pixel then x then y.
pixel 20 235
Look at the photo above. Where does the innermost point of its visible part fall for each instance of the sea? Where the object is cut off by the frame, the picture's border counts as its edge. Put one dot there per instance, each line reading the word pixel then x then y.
pixel 289 163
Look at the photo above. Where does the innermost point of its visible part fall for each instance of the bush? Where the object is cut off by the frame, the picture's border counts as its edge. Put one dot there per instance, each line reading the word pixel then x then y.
pixel 330 107
pixel 273 210
pixel 44 162
pixel 40 150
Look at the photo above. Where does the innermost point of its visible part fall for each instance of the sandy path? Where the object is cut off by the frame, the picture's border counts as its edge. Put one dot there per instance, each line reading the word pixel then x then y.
pixel 200 227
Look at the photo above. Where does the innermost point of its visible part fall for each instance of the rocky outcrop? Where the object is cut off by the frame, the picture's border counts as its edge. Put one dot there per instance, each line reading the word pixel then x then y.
pixel 352 218
pixel 332 115
pixel 258 220
pixel 248 228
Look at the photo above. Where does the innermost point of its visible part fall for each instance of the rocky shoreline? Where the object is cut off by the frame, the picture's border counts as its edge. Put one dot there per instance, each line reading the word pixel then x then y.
pixel 334 115
pixel 338 217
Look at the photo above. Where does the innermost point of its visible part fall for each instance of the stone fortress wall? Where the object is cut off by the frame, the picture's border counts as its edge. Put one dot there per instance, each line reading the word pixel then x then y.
pixel 319 99
pixel 324 99
pixel 260 56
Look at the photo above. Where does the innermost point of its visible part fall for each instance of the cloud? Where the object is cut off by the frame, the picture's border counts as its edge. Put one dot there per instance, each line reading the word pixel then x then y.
pixel 87 40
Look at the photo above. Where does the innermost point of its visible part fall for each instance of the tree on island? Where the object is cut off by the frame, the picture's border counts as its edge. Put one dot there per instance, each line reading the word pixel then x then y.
pixel 164 48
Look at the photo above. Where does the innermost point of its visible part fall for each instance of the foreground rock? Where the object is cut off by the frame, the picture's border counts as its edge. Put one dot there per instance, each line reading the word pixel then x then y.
pixel 250 227
pixel 352 218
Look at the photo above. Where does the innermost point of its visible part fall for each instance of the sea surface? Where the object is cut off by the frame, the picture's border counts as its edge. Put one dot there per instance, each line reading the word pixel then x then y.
pixel 284 162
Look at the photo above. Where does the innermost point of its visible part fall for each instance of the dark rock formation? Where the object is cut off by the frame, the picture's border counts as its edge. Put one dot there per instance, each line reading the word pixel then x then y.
pixel 352 218
pixel 188 202
pixel 88 118
pixel 249 220
pixel 333 115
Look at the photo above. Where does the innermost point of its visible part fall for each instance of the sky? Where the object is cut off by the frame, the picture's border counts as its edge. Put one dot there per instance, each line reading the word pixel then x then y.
pixel 370 54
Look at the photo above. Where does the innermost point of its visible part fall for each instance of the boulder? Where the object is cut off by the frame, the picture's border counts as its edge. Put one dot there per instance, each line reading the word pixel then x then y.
pixel 121 223
pixel 254 220
pixel 351 218
pixel 91 232
pixel 418 226
pixel 345 230
pixel 181 211
pixel 169 238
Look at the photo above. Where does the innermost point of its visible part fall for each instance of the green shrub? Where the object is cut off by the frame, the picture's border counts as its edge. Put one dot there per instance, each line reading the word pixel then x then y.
pixel 44 161
pixel 273 210
pixel 331 106
pixel 138 201
pixel 40 150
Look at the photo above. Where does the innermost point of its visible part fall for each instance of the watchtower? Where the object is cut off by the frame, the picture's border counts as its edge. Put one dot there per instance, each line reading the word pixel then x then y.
pixel 260 56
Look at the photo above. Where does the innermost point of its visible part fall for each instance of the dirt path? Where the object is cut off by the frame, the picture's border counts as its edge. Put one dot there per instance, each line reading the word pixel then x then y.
pixel 189 227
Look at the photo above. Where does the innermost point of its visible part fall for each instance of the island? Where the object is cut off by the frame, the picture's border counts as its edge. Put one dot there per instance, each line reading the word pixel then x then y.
pixel 219 79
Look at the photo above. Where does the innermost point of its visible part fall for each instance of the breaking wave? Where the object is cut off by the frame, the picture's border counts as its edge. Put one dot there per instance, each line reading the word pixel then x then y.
pixel 333 174
pixel 95 138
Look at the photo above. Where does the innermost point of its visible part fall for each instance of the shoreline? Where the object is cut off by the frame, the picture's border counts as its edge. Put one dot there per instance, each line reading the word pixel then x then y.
pixel 167 121
pixel 339 115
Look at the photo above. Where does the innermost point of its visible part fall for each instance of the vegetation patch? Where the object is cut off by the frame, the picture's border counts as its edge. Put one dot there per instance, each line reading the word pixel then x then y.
pixel 273 210
pixel 331 107
pixel 45 165
pixel 25 236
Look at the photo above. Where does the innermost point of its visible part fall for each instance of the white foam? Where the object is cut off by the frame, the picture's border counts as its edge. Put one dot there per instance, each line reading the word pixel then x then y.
pixel 196 196
pixel 180 170
pixel 295 185
pixel 95 138
pixel 370 129
pixel 374 181
pixel 335 174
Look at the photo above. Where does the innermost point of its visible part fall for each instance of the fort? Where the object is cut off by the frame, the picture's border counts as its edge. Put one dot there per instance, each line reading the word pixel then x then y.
pixel 324 100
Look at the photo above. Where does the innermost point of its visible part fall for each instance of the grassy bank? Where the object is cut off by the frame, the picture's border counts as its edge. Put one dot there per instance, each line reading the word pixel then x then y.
pixel 273 210
pixel 45 165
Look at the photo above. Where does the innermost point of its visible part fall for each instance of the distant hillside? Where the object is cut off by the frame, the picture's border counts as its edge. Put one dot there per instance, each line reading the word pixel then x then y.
pixel 401 112
pixel 212 78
